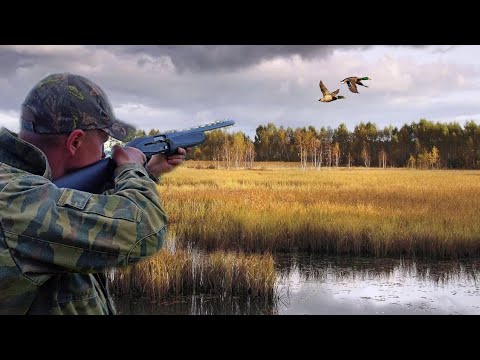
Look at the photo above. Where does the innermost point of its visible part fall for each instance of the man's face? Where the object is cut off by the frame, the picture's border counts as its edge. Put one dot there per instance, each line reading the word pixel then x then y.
pixel 91 150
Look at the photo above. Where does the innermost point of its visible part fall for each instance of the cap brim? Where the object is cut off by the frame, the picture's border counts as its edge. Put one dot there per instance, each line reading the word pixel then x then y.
pixel 121 131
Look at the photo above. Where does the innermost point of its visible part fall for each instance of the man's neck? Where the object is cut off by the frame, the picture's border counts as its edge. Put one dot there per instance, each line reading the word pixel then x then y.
pixel 57 162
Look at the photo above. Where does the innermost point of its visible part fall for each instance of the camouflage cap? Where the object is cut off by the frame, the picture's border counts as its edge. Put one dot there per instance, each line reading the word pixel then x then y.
pixel 61 103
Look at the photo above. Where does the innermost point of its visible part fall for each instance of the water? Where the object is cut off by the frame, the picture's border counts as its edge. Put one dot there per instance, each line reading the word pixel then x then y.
pixel 318 285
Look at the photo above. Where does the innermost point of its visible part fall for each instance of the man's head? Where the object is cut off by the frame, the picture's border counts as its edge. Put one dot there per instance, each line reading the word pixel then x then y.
pixel 69 118
pixel 61 103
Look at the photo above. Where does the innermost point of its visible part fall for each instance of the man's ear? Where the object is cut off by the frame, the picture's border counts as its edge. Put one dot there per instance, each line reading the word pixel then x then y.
pixel 74 141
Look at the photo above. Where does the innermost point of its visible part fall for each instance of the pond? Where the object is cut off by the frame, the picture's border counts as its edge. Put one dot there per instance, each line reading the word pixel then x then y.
pixel 318 285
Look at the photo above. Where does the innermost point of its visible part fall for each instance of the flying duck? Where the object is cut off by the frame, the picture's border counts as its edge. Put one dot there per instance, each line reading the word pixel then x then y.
pixel 327 96
pixel 353 81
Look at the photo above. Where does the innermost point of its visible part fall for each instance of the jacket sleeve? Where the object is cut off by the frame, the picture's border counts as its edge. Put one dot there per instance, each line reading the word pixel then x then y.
pixel 50 229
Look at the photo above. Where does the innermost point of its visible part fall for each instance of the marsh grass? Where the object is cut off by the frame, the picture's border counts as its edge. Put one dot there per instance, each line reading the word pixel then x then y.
pixel 359 212
pixel 169 274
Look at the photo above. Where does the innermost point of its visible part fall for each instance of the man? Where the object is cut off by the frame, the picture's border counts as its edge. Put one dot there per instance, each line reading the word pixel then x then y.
pixel 56 243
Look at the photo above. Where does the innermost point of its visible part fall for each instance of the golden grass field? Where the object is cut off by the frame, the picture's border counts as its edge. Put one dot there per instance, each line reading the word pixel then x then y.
pixel 339 211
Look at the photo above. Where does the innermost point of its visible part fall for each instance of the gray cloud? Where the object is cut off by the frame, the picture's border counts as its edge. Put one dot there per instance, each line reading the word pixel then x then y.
pixel 14 58
pixel 229 57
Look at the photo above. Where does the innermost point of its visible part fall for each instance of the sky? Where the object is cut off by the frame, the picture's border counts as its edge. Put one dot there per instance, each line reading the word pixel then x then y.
pixel 169 87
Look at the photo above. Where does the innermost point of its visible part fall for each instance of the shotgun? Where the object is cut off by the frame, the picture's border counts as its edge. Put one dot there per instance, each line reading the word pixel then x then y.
pixel 98 177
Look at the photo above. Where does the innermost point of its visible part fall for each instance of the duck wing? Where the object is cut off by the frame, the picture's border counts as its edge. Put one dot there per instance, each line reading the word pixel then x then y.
pixel 352 86
pixel 324 89
pixel 335 93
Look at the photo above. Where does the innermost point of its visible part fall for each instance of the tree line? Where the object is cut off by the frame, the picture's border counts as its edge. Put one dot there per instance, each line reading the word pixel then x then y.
pixel 419 145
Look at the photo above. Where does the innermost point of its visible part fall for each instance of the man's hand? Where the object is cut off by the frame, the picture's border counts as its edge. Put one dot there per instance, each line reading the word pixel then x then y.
pixel 127 155
pixel 160 163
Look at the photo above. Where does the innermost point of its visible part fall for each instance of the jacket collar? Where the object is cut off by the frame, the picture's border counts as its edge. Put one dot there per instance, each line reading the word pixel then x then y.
pixel 23 155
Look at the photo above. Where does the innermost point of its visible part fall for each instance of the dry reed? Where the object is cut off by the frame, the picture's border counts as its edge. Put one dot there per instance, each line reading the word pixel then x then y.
pixel 169 274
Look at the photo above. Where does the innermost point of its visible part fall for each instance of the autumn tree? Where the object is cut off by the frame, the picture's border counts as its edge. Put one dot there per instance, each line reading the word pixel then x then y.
pixel 336 153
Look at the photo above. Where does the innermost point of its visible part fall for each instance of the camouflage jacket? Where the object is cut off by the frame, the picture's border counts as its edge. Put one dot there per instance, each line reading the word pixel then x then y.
pixel 55 241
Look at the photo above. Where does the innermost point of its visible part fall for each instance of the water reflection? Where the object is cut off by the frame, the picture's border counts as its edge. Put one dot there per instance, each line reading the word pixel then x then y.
pixel 311 266
pixel 323 285
pixel 196 305
pixel 312 284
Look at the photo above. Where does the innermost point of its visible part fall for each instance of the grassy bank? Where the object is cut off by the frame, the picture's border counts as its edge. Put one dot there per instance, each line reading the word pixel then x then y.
pixel 169 274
